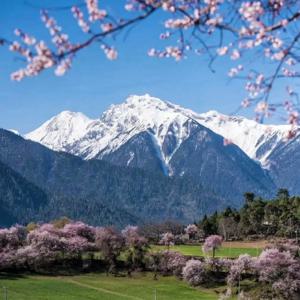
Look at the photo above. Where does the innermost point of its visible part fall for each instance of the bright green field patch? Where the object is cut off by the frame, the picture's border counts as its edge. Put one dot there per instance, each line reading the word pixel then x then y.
pixel 196 250
pixel 99 286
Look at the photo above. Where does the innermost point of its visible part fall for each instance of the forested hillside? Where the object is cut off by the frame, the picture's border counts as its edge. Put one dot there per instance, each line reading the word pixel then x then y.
pixel 101 193
pixel 20 200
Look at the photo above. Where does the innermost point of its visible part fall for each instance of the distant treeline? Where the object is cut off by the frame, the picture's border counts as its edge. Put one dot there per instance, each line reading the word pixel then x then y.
pixel 258 217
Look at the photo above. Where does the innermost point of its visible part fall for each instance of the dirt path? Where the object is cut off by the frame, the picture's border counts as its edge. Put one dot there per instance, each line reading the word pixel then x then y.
pixel 101 289
pixel 246 244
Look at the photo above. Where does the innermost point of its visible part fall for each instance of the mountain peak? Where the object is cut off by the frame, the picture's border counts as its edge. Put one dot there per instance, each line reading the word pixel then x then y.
pixel 95 138
pixel 212 113
pixel 143 99
pixel 67 115
pixel 147 102
pixel 61 130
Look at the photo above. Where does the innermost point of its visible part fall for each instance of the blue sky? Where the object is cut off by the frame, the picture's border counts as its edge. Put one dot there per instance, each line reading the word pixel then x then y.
pixel 94 82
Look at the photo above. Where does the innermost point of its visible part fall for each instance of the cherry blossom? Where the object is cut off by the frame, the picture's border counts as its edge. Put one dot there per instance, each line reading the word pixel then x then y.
pixel 281 270
pixel 167 239
pixel 191 230
pixel 244 263
pixel 212 243
pixel 244 30
pixel 194 272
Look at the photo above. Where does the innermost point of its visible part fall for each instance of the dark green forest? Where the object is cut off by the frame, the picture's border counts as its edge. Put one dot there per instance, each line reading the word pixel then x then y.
pixel 257 218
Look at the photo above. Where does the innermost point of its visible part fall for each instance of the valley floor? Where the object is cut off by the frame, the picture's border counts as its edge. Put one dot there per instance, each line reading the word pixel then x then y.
pixel 99 286
pixel 228 249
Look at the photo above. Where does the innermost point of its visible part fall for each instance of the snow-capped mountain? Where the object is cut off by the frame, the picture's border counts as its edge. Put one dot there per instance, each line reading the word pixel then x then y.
pixel 255 139
pixel 61 131
pixel 77 134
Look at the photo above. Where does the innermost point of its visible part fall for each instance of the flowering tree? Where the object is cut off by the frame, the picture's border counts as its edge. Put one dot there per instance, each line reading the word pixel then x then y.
pixel 243 264
pixel 286 245
pixel 12 238
pixel 191 230
pixel 176 261
pixel 281 270
pixel 110 242
pixel 80 238
pixel 167 239
pixel 212 243
pixel 171 262
pixel 80 229
pixel 239 30
pixel 194 272
pixel 44 244
pixel 218 265
pixel 136 247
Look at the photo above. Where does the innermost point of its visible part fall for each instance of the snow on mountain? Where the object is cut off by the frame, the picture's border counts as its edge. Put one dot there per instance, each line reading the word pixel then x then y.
pixel 77 134
pixel 255 139
pixel 61 131
pixel 15 131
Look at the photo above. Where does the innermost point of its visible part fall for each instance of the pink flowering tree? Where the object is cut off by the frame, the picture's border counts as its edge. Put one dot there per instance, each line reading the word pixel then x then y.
pixel 281 270
pixel 212 243
pixel 218 265
pixel 136 247
pixel 242 265
pixel 12 238
pixel 110 243
pixel 195 272
pixel 171 262
pixel 253 31
pixel 53 244
pixel 191 230
pixel 80 229
pixel 167 239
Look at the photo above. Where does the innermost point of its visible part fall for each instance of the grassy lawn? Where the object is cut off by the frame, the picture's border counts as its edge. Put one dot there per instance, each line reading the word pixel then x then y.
pixel 99 286
pixel 227 251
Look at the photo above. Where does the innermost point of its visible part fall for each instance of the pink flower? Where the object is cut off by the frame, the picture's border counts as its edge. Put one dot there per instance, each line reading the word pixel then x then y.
pixel 235 54
pixel 94 12
pixel 110 52
pixel 222 51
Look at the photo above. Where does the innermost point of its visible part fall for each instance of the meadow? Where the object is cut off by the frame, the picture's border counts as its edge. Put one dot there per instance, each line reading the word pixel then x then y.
pixel 228 249
pixel 140 286
pixel 99 286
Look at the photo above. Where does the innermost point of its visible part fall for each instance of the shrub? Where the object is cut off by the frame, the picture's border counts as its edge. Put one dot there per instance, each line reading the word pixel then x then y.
pixel 243 264
pixel 194 272
pixel 172 262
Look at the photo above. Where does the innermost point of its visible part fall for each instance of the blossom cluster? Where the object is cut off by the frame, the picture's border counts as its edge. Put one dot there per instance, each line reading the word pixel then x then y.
pixel 43 244
pixel 192 230
pixel 194 272
pixel 212 243
pixel 46 243
pixel 167 239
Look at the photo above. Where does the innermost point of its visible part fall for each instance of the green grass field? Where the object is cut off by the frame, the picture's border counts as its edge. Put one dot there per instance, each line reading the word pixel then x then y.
pixel 196 250
pixel 99 286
